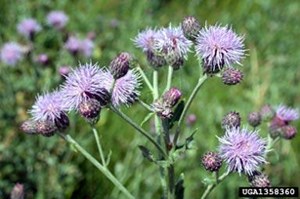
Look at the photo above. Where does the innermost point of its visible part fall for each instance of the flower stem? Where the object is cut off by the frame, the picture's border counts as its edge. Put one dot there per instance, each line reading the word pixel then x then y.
pixel 99 146
pixel 145 78
pixel 169 80
pixel 210 187
pixel 102 168
pixel 138 128
pixel 145 105
pixel 188 104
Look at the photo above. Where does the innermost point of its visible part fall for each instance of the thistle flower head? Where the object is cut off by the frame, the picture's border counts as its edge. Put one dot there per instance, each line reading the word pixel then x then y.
pixel 254 118
pixel 259 180
pixel 73 45
pixel 267 112
pixel 28 27
pixel 17 192
pixel 288 132
pixel 57 19
pixel 48 107
pixel 125 90
pixel 287 114
pixel 172 96
pixel 242 150
pixel 11 53
pixel 218 47
pixel 85 82
pixel 119 66
pixel 145 41
pixel 172 44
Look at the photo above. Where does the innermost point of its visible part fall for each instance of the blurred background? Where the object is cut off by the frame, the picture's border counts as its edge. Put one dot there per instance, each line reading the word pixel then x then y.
pixel 49 168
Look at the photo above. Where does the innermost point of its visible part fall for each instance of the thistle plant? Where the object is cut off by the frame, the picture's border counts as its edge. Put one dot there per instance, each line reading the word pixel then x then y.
pixel 89 88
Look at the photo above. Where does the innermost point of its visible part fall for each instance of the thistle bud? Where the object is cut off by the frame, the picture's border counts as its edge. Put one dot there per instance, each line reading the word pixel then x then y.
pixel 190 27
pixel 178 63
pixel 211 161
pixel 162 109
pixel 43 59
pixel 119 66
pixel 232 76
pixel 29 127
pixel 17 192
pixel 172 96
pixel 64 70
pixel 267 112
pixel 231 119
pixel 288 132
pixel 254 119
pixel 90 109
pixel 45 128
pixel 259 180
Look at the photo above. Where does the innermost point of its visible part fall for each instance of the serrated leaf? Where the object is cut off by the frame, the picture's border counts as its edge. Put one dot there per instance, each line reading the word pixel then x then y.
pixel 146 153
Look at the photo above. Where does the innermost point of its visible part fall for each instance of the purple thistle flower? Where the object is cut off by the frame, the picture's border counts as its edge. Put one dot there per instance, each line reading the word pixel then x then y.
pixel 287 114
pixel 125 89
pixel 73 45
pixel 48 107
pixel 218 46
pixel 11 53
pixel 57 19
pixel 243 150
pixel 83 83
pixel 172 44
pixel 145 41
pixel 87 47
pixel 28 27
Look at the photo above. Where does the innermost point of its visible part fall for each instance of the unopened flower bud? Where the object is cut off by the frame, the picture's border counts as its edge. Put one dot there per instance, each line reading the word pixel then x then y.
pixel 172 96
pixel 43 59
pixel 119 66
pixel 64 70
pixel 259 180
pixel 45 128
pixel 191 119
pixel 162 109
pixel 232 76
pixel 28 127
pixel 90 109
pixel 231 119
pixel 17 192
pixel 254 119
pixel 267 112
pixel 274 131
pixel 211 161
pixel 288 132
pixel 190 27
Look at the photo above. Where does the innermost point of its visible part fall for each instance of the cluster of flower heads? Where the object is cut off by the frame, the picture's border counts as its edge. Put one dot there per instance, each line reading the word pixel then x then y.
pixel 12 52
pixel 87 89
pixel 242 149
pixel 216 46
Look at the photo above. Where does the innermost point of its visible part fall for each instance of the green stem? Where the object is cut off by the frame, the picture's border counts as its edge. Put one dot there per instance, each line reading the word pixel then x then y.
pixel 169 80
pixel 145 78
pixel 270 143
pixel 99 146
pixel 145 105
pixel 188 104
pixel 102 168
pixel 138 128
pixel 210 187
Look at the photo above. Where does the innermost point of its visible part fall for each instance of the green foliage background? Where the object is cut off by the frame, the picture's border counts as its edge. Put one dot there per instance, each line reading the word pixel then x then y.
pixel 49 168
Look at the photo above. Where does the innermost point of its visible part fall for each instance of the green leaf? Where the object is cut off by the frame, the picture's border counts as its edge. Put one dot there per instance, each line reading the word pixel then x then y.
pixel 147 118
pixel 179 188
